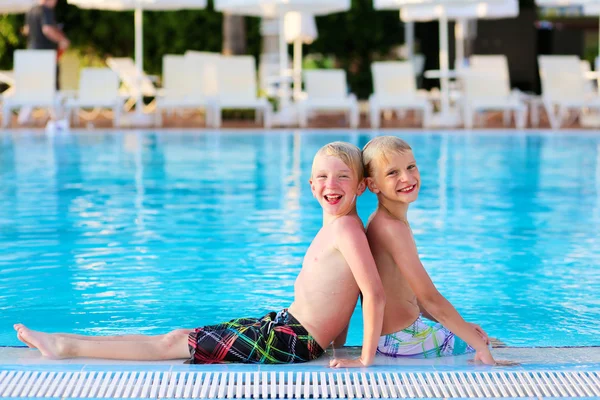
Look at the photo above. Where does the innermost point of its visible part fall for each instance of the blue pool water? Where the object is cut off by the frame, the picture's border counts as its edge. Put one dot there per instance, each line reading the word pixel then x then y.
pixel 104 233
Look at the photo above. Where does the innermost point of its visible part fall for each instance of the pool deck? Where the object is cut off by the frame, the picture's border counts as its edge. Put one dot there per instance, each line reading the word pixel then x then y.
pixel 542 358
pixel 540 373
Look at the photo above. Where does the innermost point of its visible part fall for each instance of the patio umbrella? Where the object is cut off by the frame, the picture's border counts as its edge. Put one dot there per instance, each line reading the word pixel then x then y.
pixel 15 6
pixel 422 10
pixel 278 9
pixel 139 6
pixel 299 28
pixel 460 13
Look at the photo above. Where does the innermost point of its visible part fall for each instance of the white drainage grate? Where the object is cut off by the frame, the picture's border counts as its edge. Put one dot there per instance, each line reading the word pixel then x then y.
pixel 326 385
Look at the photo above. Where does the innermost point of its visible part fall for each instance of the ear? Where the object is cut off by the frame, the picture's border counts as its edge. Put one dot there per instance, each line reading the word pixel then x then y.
pixel 371 185
pixel 362 186
pixel 312 187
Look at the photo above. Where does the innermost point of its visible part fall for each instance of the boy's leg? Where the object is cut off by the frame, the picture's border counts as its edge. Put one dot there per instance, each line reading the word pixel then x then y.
pixel 173 345
pixel 111 338
pixel 117 338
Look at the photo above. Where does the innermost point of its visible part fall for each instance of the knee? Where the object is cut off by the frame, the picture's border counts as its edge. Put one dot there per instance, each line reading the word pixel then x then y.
pixel 176 336
pixel 174 340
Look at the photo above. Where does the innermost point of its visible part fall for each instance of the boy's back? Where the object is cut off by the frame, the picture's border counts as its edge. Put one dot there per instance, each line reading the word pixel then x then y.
pixel 326 292
pixel 401 307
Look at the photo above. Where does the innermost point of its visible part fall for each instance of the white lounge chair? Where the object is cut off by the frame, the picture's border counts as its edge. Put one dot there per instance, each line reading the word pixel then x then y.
pixel 237 89
pixel 486 86
pixel 35 83
pixel 564 88
pixel 128 73
pixel 203 68
pixel 395 88
pixel 98 88
pixel 326 90
pixel 183 88
pixel 586 69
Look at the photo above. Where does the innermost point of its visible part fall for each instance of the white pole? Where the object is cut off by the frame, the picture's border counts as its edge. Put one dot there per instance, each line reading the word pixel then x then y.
pixel 459 37
pixel 409 39
pixel 297 68
pixel 283 64
pixel 444 65
pixel 139 55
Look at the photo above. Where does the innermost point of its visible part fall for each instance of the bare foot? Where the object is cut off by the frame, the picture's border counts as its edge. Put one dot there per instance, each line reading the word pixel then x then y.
pixel 17 328
pixel 25 341
pixel 48 345
pixel 496 343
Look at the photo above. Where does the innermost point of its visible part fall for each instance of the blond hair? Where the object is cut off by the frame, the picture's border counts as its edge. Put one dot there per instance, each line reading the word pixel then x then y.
pixel 348 153
pixel 380 148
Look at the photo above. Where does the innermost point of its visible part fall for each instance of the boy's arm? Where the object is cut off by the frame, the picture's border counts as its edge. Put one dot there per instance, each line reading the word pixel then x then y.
pixel 477 328
pixel 352 243
pixel 398 241
pixel 426 313
pixel 340 341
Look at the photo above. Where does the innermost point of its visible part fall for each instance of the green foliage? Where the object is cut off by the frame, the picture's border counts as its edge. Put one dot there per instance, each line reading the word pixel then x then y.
pixel 10 38
pixel 356 38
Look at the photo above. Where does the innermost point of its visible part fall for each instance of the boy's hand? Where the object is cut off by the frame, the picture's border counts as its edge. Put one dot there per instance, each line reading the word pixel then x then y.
pixel 480 357
pixel 485 356
pixel 481 333
pixel 346 363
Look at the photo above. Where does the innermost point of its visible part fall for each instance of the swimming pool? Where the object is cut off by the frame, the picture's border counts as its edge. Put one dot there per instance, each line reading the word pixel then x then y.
pixel 142 232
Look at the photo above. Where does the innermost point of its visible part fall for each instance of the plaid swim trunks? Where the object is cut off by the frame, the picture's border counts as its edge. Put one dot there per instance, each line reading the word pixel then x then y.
pixel 422 341
pixel 276 338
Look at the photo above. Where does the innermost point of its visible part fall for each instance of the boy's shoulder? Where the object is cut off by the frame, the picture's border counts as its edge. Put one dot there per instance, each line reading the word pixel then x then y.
pixel 347 223
pixel 383 225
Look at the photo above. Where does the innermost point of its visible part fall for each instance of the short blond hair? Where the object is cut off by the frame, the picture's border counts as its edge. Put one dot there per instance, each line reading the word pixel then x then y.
pixel 348 153
pixel 380 148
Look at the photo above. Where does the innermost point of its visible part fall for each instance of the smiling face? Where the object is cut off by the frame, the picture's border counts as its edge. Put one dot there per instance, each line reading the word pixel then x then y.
pixel 396 177
pixel 335 185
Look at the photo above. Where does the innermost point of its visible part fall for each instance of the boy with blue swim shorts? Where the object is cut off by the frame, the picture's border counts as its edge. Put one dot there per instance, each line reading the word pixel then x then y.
pixel 392 175
pixel 338 265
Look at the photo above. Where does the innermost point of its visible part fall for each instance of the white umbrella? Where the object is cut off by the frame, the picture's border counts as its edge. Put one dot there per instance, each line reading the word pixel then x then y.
pixel 460 12
pixel 15 6
pixel 278 9
pixel 139 6
pixel 427 10
pixel 299 28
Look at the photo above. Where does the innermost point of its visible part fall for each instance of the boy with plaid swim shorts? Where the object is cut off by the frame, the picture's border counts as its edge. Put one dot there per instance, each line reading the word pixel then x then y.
pixel 338 265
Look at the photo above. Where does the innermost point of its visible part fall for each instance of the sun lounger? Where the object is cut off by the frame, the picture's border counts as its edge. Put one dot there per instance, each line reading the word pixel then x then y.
pixel 326 90
pixel 98 89
pixel 564 88
pixel 237 89
pixel 134 82
pixel 184 87
pixel 395 89
pixel 34 83
pixel 486 86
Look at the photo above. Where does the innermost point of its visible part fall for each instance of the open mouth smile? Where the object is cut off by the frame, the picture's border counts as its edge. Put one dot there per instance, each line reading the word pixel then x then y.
pixel 332 198
pixel 408 189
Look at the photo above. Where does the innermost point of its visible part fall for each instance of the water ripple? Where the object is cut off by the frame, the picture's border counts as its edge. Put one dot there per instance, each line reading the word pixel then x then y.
pixel 142 233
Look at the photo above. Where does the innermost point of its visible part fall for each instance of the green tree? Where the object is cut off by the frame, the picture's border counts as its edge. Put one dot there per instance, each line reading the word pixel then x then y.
pixel 357 38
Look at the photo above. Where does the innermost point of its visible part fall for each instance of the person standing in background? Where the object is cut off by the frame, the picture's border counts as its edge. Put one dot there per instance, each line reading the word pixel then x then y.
pixel 43 34
pixel 41 29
